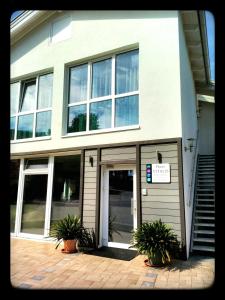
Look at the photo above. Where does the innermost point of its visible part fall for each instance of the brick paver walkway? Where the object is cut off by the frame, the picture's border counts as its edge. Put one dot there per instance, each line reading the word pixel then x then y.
pixel 37 265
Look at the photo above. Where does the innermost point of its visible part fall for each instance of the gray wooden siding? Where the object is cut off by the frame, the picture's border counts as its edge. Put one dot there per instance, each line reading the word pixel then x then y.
pixel 162 200
pixel 115 154
pixel 89 198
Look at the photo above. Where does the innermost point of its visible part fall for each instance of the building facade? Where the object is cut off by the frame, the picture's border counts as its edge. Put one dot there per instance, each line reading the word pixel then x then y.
pixel 103 114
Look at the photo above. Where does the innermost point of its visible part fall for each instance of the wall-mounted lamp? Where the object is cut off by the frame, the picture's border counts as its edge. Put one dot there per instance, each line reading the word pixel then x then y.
pixel 159 157
pixel 91 160
pixel 190 144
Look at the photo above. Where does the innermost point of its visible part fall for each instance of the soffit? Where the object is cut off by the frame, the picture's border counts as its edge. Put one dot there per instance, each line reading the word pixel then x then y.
pixel 194 26
pixel 26 22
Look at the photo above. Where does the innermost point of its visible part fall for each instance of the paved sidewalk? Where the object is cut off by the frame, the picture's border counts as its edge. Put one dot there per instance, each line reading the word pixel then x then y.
pixel 37 265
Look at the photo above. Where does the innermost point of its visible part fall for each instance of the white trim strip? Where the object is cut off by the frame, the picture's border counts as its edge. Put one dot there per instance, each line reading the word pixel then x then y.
pixel 106 130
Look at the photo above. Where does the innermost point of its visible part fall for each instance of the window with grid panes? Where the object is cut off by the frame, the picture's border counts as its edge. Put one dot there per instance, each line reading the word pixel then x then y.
pixel 104 94
pixel 30 107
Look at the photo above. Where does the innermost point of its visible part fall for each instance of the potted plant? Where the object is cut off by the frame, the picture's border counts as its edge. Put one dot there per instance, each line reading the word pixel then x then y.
pixel 68 230
pixel 157 241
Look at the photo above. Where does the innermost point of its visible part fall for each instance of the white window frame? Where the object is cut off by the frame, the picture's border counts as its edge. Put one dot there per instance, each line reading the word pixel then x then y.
pixel 49 171
pixel 111 97
pixel 34 112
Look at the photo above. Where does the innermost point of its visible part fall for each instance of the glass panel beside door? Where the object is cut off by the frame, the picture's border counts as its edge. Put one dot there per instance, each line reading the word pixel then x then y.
pixel 34 204
pixel 121 208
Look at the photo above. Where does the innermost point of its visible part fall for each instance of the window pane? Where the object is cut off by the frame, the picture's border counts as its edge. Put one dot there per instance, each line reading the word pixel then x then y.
pixel 43 124
pixel 100 115
pixel 34 203
pixel 126 111
pixel 66 187
pixel 28 96
pixel 101 78
pixel 25 127
pixel 127 72
pixel 78 83
pixel 77 118
pixel 14 177
pixel 14 97
pixel 40 163
pixel 12 128
pixel 45 91
pixel 120 206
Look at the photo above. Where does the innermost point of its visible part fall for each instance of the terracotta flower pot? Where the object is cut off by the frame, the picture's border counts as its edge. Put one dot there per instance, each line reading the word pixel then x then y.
pixel 69 246
pixel 154 262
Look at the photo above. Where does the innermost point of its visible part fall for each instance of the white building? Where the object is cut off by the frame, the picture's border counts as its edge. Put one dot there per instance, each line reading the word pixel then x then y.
pixel 96 96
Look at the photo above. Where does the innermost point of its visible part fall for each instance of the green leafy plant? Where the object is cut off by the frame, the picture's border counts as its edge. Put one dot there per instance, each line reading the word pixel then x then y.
pixel 112 227
pixel 157 241
pixel 68 228
pixel 87 240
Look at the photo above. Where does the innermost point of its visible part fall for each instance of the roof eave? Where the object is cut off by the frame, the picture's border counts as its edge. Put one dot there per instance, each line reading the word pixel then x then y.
pixel 28 20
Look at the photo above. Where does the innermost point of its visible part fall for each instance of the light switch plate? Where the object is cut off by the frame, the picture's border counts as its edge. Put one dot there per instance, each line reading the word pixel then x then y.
pixel 144 192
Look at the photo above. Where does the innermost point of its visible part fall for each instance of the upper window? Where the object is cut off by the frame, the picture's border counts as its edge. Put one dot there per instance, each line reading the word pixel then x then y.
pixel 31 103
pixel 104 94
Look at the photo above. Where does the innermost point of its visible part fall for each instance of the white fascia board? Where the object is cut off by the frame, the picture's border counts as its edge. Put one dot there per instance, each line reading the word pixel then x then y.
pixel 26 22
pixel 23 20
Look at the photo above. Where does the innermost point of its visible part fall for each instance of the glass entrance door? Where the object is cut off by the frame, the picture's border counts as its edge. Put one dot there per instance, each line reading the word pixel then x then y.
pixel 119 217
pixel 34 204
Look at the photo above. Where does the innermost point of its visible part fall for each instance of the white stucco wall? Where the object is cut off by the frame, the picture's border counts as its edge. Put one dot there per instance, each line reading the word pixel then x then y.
pixel 189 130
pixel 94 34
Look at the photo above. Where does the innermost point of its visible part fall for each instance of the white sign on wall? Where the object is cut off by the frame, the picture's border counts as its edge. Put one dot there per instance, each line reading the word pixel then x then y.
pixel 160 173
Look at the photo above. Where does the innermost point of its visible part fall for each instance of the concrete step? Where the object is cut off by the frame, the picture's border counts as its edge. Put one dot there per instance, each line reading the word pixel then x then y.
pixel 204 224
pixel 206 175
pixel 205 211
pixel 205 240
pixel 210 172
pixel 204 231
pixel 205 205
pixel 205 195
pixel 203 189
pixel 204 217
pixel 206 179
pixel 203 248
pixel 206 200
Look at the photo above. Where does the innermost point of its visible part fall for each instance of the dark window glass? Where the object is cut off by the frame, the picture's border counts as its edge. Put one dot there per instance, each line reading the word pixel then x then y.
pixel 127 72
pixel 14 177
pixel 45 91
pixel 43 124
pixel 100 114
pixel 34 204
pixel 77 118
pixel 120 206
pixel 66 187
pixel 28 101
pixel 126 111
pixel 78 83
pixel 14 97
pixel 12 128
pixel 101 78
pixel 25 127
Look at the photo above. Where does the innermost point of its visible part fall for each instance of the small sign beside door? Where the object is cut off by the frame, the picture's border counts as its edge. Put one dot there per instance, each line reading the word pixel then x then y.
pixel 158 173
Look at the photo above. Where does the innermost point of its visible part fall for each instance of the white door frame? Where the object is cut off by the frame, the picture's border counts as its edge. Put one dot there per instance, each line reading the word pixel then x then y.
pixel 19 208
pixel 105 204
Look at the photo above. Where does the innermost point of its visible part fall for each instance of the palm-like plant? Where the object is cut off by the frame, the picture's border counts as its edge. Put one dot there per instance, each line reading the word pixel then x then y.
pixel 68 228
pixel 157 241
pixel 87 242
